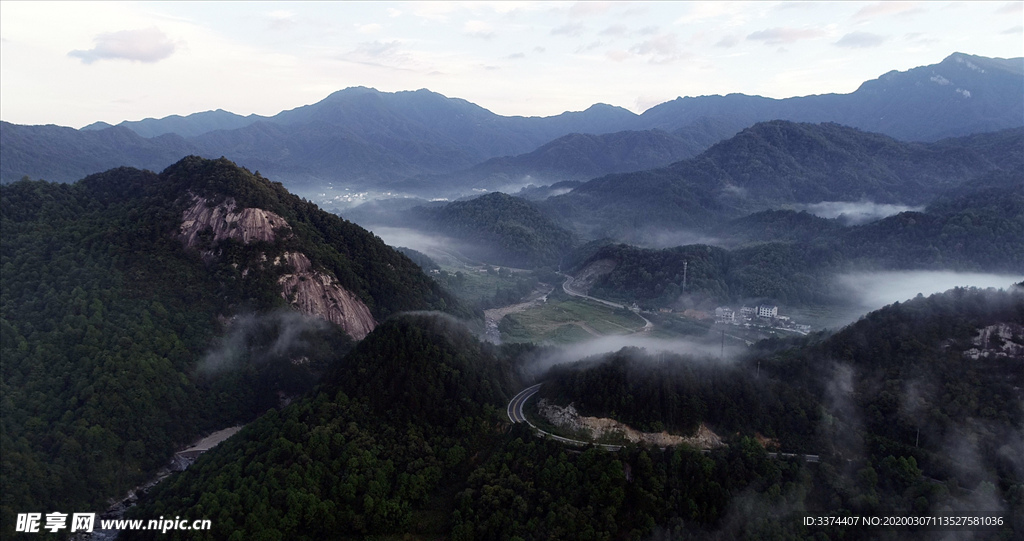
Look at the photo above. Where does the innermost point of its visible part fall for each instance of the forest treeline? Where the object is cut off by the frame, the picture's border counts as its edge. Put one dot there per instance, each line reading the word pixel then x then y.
pixel 408 434
pixel 975 227
pixel 110 325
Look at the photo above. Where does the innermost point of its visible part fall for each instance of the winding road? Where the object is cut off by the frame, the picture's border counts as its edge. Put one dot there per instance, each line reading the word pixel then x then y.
pixel 515 406
pixel 516 415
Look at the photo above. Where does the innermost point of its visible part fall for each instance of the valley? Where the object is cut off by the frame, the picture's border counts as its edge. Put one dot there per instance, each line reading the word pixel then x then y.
pixel 721 306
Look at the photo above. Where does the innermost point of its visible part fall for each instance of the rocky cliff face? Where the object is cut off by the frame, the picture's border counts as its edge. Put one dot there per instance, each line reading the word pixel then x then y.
pixel 317 294
pixel 311 292
pixel 245 225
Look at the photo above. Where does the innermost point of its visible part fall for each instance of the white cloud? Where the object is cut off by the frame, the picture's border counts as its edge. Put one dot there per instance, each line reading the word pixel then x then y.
pixel 478 29
pixel 861 40
pixel 568 29
pixel 588 9
pixel 779 36
pixel 882 9
pixel 370 28
pixel 728 42
pixel 661 49
pixel 281 19
pixel 386 54
pixel 1010 8
pixel 615 30
pixel 147 45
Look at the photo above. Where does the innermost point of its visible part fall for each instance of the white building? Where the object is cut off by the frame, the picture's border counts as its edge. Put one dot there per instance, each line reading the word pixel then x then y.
pixel 767 311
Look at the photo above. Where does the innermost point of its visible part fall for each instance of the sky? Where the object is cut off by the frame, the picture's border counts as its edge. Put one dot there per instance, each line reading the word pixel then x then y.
pixel 75 63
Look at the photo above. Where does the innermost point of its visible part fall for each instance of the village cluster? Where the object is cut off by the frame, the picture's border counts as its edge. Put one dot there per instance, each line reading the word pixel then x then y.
pixel 764 315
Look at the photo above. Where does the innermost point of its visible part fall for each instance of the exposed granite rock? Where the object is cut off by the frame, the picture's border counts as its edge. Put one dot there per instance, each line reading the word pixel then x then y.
pixel 312 292
pixel 319 295
pixel 246 225
pixel 598 427
pixel 1003 340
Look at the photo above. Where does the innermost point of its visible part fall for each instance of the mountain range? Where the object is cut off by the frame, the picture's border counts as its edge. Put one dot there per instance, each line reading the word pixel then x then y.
pixel 360 137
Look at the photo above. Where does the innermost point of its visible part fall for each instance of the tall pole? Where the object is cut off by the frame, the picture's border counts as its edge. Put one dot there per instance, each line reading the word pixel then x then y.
pixel 684 274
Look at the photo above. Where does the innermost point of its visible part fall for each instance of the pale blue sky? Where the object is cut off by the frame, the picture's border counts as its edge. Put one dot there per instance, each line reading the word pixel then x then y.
pixel 75 63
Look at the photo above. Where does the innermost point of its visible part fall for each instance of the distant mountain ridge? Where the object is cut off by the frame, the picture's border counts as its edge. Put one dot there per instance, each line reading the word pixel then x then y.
pixel 185 126
pixel 777 164
pixel 362 137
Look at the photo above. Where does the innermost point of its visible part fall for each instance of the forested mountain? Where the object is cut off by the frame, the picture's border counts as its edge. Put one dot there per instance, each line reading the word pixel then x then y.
pixel 913 411
pixel 579 156
pixel 400 421
pixel 791 257
pixel 360 136
pixel 500 229
pixel 779 163
pixel 63 154
pixel 961 95
pixel 141 310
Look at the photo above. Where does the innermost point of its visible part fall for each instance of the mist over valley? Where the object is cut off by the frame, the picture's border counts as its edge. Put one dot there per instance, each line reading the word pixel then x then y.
pixel 709 319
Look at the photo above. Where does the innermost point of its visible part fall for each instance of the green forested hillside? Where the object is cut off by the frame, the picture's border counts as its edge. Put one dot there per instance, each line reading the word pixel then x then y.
pixel 501 229
pixel 110 325
pixel 785 272
pixel 975 227
pixel 408 437
pixel 678 393
pixel 396 424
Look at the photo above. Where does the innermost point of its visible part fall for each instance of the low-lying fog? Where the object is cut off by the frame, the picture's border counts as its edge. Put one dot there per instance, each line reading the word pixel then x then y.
pixel 443 250
pixel 658 239
pixel 856 212
pixel 710 350
pixel 411 238
pixel 870 291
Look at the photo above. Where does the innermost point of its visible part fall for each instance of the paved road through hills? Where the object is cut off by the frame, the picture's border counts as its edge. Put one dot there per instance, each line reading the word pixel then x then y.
pixel 515 406
pixel 516 415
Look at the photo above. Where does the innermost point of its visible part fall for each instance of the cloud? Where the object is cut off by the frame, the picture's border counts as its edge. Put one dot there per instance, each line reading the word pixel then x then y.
pixel 1014 30
pixel 588 9
pixel 728 41
pixel 515 56
pixel 779 36
pixel 1010 8
pixel 392 12
pixel 615 30
pixel 539 50
pixel 858 212
pixel 661 49
pixel 281 19
pixel 888 8
pixel 369 28
pixel 860 40
pixel 644 102
pixel 589 47
pixel 478 29
pixel 387 54
pixel 148 45
pixel 568 29
pixel 618 56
